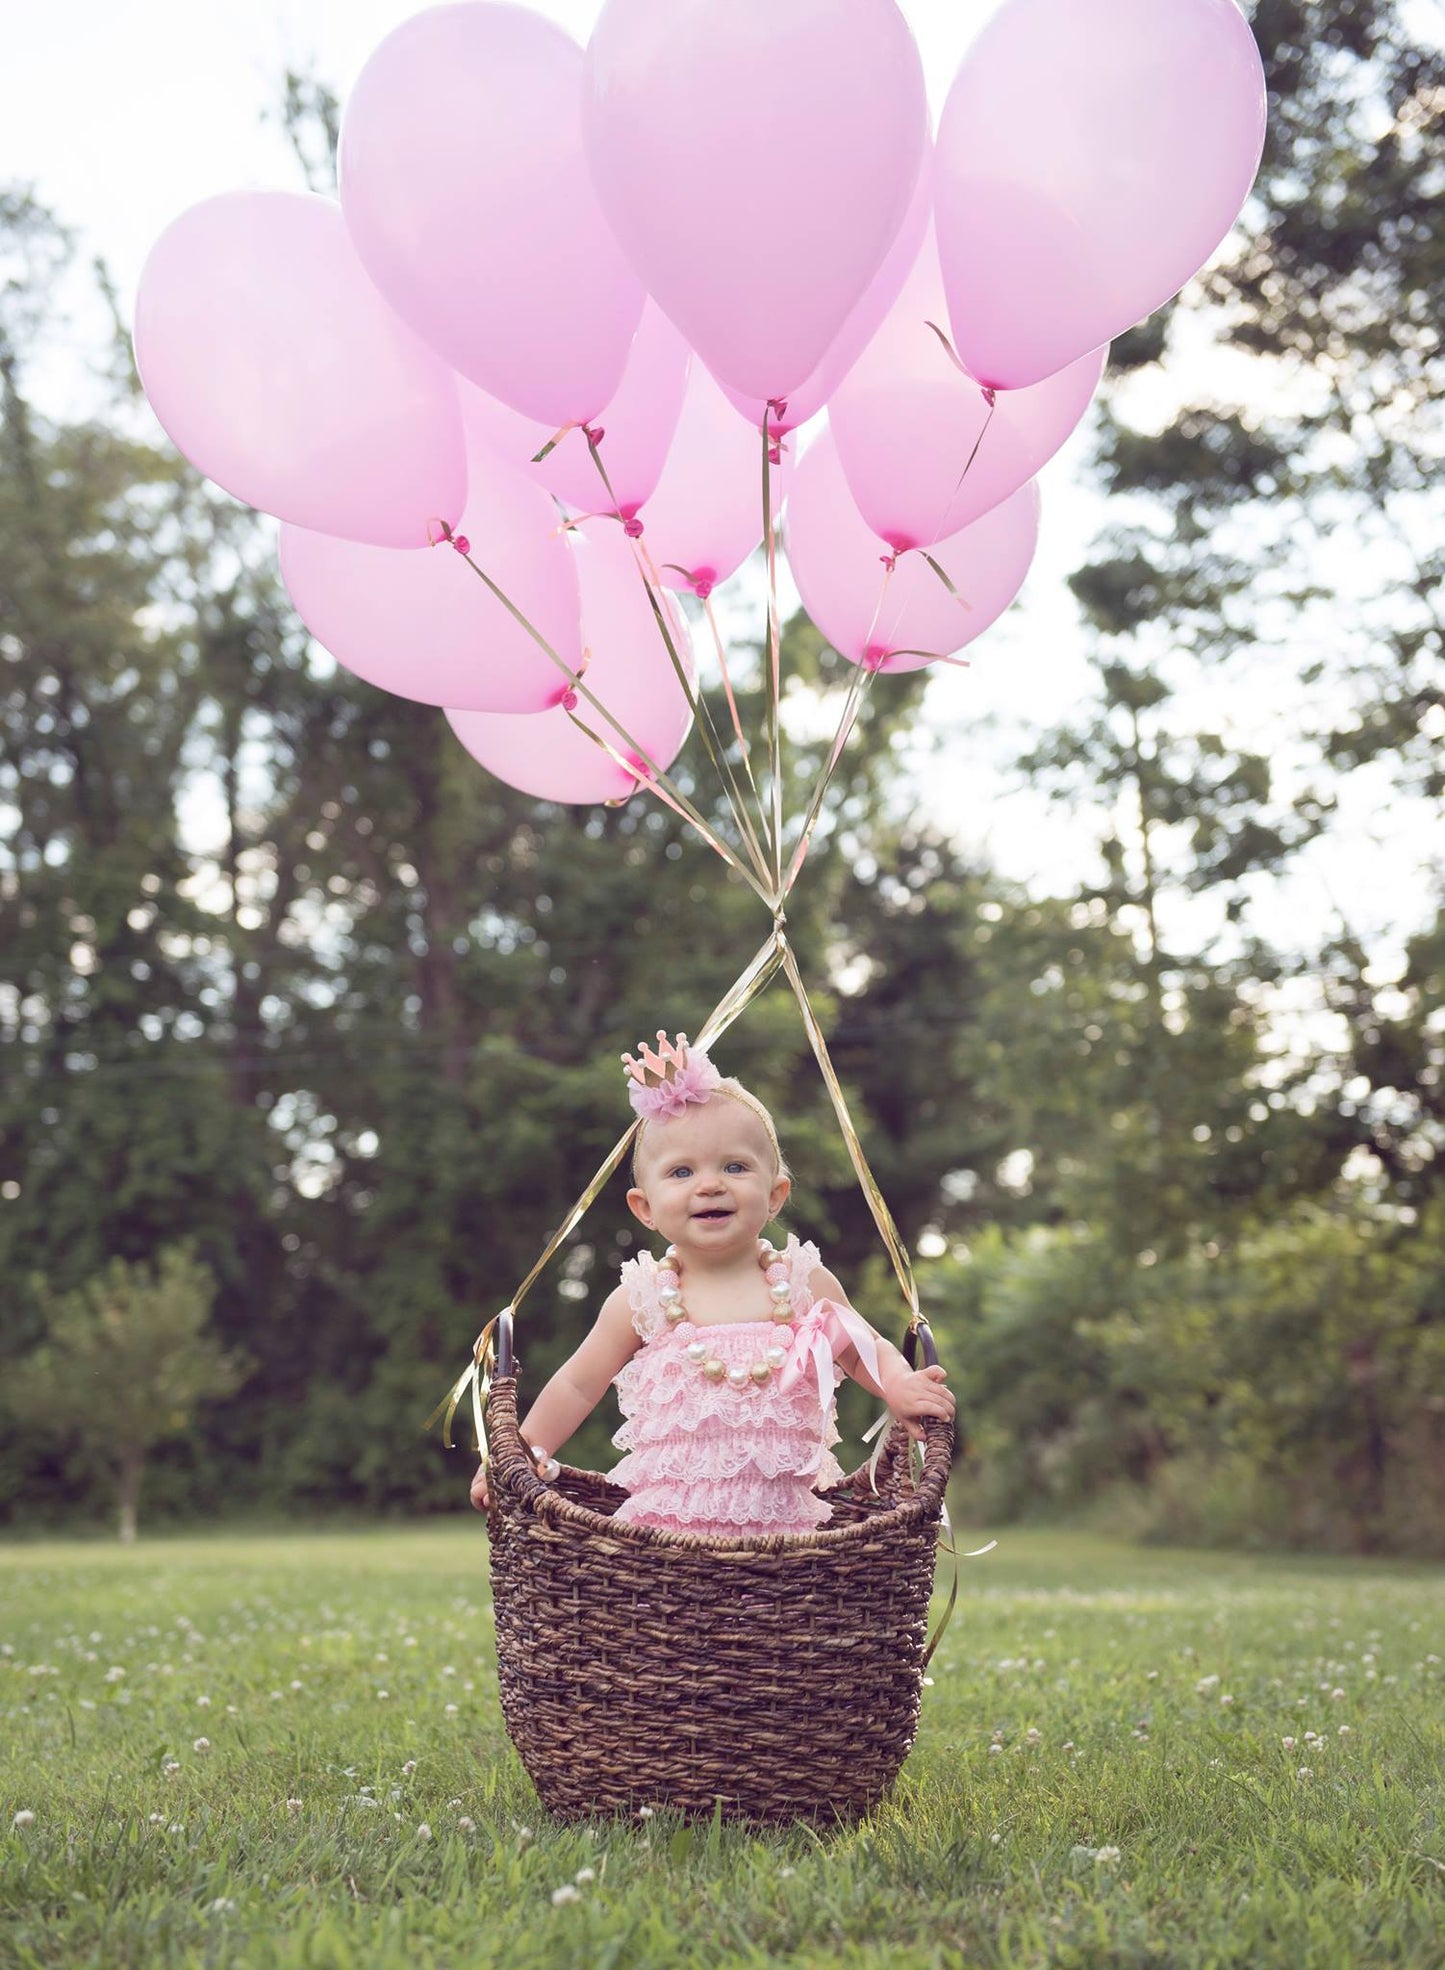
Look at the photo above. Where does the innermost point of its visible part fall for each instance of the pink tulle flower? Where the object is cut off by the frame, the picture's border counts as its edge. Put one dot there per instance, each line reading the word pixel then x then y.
pixel 662 1083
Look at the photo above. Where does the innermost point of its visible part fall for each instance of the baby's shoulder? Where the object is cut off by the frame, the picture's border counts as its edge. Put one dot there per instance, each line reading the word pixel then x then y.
pixel 637 1289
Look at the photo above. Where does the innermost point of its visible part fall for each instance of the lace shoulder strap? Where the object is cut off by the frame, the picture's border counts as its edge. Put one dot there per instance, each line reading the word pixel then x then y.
pixel 802 1258
pixel 639 1277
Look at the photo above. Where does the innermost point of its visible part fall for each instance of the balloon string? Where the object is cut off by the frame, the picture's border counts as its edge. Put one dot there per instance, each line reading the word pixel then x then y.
pixel 774 654
pixel 644 778
pixel 853 704
pixel 882 1217
pixel 655 776
pixel 697 702
pixel 863 674
pixel 737 800
pixel 744 749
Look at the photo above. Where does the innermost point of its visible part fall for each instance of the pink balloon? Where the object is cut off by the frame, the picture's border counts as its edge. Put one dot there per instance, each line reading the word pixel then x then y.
pixel 756 159
pixel 921 453
pixel 858 331
pixel 629 670
pixel 1091 156
pixel 465 188
pixel 706 516
pixel 636 428
pixel 423 624
pixel 279 371
pixel 902 620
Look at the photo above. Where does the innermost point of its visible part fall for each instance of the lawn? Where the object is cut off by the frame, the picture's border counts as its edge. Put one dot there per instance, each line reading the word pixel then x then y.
pixel 287 1752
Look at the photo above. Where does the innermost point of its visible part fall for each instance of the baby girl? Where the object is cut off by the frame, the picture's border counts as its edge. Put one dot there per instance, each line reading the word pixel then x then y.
pixel 725 1353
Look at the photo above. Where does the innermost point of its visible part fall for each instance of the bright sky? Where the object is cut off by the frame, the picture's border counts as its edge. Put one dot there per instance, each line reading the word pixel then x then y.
pixel 124 112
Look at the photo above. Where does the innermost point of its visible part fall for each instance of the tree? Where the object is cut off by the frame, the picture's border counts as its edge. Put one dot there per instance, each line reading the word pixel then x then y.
pixel 128 1357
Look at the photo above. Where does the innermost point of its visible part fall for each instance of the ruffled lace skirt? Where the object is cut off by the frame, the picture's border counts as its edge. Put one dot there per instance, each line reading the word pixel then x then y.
pixel 705 1457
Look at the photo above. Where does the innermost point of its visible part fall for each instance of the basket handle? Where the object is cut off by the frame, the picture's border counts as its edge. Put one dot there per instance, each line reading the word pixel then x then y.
pixel 506 1358
pixel 920 1334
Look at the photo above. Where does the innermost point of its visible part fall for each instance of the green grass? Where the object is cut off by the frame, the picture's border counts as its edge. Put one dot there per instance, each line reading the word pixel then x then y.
pixel 324 1669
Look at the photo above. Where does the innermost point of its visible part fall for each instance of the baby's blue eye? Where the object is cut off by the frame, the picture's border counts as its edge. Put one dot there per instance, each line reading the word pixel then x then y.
pixel 682 1170
pixel 737 1166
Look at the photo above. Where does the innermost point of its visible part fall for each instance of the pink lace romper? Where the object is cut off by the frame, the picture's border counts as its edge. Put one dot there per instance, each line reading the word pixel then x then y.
pixel 707 1457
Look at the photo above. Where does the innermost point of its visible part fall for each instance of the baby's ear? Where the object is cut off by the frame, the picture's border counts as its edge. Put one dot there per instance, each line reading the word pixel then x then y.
pixel 779 1194
pixel 640 1208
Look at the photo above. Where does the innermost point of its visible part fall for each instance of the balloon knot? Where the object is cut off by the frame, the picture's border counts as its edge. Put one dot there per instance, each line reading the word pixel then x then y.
pixel 889 561
pixel 460 543
pixel 632 528
pixel 990 395
pixel 875 657
pixel 570 701
pixel 780 405
pixel 702 587
pixel 775 454
pixel 594 433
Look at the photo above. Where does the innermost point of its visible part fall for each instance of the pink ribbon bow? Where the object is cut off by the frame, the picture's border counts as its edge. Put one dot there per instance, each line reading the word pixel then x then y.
pixel 824 1330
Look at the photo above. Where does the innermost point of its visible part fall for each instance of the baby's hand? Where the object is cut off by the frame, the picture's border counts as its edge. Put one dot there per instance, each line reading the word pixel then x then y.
pixel 918 1394
pixel 479 1489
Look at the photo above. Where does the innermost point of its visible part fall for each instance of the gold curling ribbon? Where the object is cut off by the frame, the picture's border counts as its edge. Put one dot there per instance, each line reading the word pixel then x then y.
pixel 478 1377
pixel 887 1230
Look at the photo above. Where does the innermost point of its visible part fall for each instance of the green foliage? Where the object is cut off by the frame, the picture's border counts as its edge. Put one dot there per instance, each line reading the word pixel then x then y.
pixel 126 1360
pixel 1288 1388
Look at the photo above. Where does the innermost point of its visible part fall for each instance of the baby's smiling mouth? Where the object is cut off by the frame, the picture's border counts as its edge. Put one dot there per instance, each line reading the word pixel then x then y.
pixel 716 1211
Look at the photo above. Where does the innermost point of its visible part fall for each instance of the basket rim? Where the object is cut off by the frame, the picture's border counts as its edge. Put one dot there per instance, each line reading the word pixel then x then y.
pixel 517 1481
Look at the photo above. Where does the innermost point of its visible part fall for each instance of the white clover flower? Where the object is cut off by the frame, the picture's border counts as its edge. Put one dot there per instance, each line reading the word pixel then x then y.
pixel 203 1703
pixel 201 1744
pixel 293 1807
pixel 24 1817
pixel 450 1710
pixel 585 1874
pixel 1152 1676
pixel 1033 1736
pixel 155 1819
pixel 409 1767
pixel 382 1695
pixel 1206 1683
pixel 423 1831
pixel 466 1826
pixel 1068 1745
pixel 171 1768
pixel 646 1812
pixel 221 1906
pixel 567 1893
pixel 1344 1730
pixel 1304 1772
pixel 786 1873
pixel 1108 1856
pixel 994 1750
pixel 296 1685
pixel 994 1839
pixel 114 1673
pixel 1288 1743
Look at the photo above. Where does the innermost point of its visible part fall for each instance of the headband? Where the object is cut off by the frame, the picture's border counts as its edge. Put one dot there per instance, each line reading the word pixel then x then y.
pixel 665 1080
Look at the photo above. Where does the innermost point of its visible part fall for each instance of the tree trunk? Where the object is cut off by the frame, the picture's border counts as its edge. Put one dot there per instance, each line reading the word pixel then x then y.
pixel 131 1464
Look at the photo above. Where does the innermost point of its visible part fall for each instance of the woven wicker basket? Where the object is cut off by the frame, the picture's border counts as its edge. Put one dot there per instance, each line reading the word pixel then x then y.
pixel 770 1678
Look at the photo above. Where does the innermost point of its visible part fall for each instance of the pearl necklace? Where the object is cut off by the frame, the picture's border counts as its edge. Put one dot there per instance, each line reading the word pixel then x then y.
pixel 756 1373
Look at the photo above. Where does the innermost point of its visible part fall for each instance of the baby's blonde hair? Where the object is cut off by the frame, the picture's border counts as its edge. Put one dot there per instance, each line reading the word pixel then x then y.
pixel 735 1091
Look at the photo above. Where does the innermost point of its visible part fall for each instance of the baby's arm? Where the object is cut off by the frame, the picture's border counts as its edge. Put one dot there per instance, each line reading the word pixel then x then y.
pixel 913 1394
pixel 578 1385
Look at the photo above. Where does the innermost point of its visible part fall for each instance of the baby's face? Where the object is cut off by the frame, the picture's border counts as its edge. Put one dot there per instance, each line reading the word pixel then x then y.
pixel 708 1181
